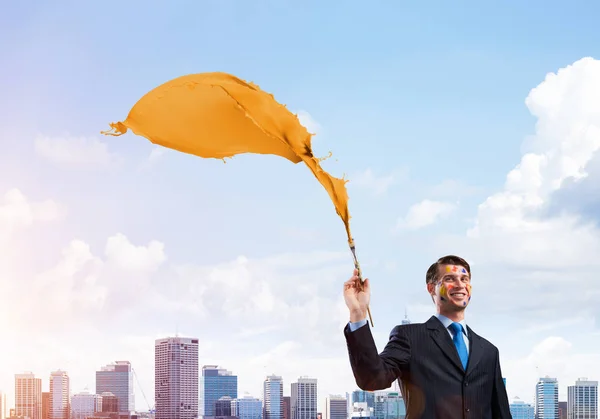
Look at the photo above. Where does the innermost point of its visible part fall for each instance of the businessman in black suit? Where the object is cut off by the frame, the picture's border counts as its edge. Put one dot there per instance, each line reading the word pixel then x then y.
pixel 445 370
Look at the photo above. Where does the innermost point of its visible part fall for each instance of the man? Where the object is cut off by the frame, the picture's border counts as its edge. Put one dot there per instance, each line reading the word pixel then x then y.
pixel 445 370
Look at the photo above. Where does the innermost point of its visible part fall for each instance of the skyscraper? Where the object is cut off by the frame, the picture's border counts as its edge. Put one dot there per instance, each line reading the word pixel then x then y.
pixel 176 378
pixel 287 407
pixel 521 410
pixel 304 398
pixel 28 395
pixel 562 410
pixel 389 405
pixel 361 396
pixel 582 400
pixel 546 398
pixel 59 395
pixel 117 379
pixel 336 407
pixel 2 405
pixel 45 405
pixel 215 383
pixel 273 397
pixel 223 406
pixel 84 405
pixel 247 407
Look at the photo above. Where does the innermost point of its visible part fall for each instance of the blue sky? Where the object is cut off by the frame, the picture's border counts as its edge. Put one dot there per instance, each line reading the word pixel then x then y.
pixel 418 102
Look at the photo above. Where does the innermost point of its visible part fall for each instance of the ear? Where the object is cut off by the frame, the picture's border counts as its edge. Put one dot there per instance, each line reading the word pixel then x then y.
pixel 430 288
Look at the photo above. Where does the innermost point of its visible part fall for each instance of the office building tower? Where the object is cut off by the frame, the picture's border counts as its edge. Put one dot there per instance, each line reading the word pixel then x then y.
pixel 521 410
pixel 223 407
pixel 546 398
pixel 361 410
pixel 336 407
pixel 582 400
pixel 562 410
pixel 28 396
pixel 287 407
pixel 3 410
pixel 45 405
pixel 273 397
pixel 84 405
pixel 117 379
pixel 110 403
pixel 215 383
pixel 361 396
pixel 389 405
pixel 176 378
pixel 59 395
pixel 304 398
pixel 247 407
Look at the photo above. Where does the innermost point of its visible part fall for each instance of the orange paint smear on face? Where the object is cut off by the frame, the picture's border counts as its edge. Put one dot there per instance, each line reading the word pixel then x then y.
pixel 217 115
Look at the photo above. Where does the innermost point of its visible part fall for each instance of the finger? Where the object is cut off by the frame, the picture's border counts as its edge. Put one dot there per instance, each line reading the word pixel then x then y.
pixel 351 283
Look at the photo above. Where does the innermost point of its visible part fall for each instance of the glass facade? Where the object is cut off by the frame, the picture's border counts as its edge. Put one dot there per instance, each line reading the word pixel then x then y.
pixel 117 379
pixel 247 408
pixel 273 397
pixel 389 405
pixel 582 402
pixel 336 407
pixel 546 400
pixel 361 396
pixel 214 384
pixel 522 410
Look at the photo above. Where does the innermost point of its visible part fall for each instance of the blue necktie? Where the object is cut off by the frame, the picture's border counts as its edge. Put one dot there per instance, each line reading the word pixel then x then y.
pixel 459 342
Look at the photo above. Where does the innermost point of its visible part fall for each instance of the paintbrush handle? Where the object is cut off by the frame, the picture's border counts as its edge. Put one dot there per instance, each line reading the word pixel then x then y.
pixel 357 267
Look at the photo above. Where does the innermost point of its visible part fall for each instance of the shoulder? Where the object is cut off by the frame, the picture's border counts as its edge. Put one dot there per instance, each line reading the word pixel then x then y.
pixel 407 329
pixel 489 346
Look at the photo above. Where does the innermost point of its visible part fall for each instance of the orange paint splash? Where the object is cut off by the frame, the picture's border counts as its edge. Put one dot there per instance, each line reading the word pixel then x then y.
pixel 217 115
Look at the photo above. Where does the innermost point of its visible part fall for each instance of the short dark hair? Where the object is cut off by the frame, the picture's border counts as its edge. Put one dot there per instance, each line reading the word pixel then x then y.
pixel 432 272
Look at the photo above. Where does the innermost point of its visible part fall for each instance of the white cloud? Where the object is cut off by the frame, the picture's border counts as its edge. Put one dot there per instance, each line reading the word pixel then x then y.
pixel 426 213
pixel 130 258
pixel 156 155
pixel 16 212
pixel 76 152
pixel 377 184
pixel 567 105
pixel 308 122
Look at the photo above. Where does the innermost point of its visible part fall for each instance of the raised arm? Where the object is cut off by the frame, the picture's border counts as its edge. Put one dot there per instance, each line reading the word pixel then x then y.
pixel 372 370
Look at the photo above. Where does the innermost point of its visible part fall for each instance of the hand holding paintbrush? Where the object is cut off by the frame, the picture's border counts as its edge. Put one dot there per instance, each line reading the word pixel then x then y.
pixel 357 292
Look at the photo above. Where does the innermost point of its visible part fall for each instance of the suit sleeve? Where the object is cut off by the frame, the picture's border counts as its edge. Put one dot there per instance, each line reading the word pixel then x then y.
pixel 373 371
pixel 500 406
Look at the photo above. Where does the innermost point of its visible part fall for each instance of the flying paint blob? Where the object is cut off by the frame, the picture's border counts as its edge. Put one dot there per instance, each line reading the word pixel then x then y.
pixel 217 115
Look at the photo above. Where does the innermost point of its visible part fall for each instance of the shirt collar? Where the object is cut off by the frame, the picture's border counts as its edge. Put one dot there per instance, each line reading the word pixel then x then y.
pixel 447 322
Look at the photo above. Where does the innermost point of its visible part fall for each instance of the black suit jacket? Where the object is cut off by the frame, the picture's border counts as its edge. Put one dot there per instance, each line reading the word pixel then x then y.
pixel 432 379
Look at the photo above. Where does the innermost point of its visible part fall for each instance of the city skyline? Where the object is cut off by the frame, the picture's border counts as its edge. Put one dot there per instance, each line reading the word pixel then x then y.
pixel 218 401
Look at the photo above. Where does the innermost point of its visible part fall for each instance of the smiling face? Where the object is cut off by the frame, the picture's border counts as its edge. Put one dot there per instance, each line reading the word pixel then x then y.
pixel 451 291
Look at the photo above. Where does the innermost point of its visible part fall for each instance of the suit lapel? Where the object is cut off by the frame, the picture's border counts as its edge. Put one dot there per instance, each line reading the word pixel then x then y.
pixel 442 338
pixel 475 351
